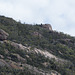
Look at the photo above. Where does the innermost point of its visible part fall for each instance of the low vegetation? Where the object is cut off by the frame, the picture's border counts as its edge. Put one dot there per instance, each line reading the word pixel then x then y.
pixel 59 44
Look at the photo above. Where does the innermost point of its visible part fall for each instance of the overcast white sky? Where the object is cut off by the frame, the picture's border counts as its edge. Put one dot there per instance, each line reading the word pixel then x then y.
pixel 59 13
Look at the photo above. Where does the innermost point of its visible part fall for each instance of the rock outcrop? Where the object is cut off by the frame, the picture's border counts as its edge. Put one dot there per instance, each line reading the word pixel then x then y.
pixel 18 46
pixel 47 26
pixel 3 35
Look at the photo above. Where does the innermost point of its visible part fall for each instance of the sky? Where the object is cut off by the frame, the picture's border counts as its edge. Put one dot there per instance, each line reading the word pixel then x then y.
pixel 59 13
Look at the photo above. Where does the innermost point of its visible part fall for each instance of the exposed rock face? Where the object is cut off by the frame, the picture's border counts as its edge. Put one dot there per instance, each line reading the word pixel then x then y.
pixel 3 35
pixel 47 26
pixel 18 46
pixel 37 51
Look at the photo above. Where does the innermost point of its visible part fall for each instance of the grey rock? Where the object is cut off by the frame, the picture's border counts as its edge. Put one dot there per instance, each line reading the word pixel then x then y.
pixel 3 35
pixel 47 26
pixel 18 46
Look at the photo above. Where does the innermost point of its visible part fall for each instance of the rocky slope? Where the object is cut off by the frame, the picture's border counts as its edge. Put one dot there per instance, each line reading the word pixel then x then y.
pixel 21 63
pixel 34 49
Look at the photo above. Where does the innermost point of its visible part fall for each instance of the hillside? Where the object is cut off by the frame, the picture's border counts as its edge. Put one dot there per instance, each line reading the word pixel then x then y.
pixel 27 49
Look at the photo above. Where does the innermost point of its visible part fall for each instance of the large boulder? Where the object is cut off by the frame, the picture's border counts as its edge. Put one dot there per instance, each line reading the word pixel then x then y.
pixel 47 26
pixel 3 35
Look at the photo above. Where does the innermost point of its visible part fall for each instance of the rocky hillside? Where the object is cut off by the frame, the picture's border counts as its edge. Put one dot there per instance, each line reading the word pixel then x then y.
pixel 35 49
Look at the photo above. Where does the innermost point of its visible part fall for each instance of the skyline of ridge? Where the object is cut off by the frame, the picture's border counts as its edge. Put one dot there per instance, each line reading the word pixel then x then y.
pixel 58 13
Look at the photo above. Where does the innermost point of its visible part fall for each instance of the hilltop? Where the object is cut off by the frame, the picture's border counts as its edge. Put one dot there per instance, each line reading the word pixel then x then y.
pixel 27 49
